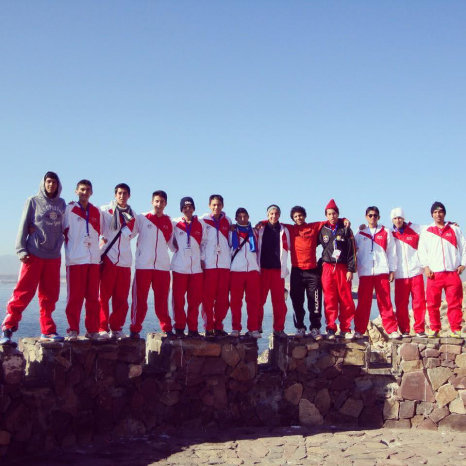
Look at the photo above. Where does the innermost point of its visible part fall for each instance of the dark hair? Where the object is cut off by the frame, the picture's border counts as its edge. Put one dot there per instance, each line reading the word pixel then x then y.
pixel 51 175
pixel 297 208
pixel 160 193
pixel 374 208
pixel 241 210
pixel 84 182
pixel 122 186
pixel 216 196
pixel 437 205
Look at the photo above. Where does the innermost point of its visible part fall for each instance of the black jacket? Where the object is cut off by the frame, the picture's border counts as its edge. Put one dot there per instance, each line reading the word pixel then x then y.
pixel 343 240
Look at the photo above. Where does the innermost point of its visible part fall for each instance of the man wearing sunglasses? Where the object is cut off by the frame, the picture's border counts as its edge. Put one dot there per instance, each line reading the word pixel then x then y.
pixel 376 263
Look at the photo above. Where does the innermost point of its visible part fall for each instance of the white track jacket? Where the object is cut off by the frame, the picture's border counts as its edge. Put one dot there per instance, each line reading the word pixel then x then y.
pixel 187 240
pixel 408 264
pixel 215 247
pixel 284 247
pixel 245 260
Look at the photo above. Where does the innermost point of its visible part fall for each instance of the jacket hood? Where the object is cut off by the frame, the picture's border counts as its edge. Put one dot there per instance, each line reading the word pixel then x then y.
pixel 43 193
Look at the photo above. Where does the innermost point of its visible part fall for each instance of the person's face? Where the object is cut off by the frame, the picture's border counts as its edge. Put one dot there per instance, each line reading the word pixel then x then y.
pixel 216 207
pixel 372 218
pixel 188 211
pixel 398 221
pixel 242 218
pixel 299 218
pixel 159 203
pixel 332 216
pixel 51 186
pixel 273 216
pixel 84 192
pixel 121 197
pixel 439 216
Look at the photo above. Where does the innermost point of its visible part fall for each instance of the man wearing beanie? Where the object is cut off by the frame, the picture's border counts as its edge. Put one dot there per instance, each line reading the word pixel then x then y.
pixel 38 244
pixel 118 229
pixel 155 231
pixel 376 262
pixel 244 275
pixel 188 233
pixel 409 278
pixel 339 264
pixel 442 252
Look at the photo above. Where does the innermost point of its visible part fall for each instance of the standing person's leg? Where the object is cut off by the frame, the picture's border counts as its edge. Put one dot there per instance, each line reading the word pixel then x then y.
pixel 179 289
pixel 419 303
pixel 454 297
pixel 49 291
pixel 161 287
pixel 92 298
pixel 253 300
pixel 194 299
pixel 312 283
pixel 434 299
pixel 209 291
pixel 108 276
pixel 330 287
pixel 345 297
pixel 237 287
pixel 221 299
pixel 76 276
pixel 120 299
pixel 297 290
pixel 402 292
pixel 264 291
pixel 277 291
pixel 363 310
pixel 382 293
pixel 29 276
pixel 141 285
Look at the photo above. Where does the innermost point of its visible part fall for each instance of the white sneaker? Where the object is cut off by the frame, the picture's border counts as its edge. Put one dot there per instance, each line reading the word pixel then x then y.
pixel 315 333
pixel 346 335
pixel 358 335
pixel 72 335
pixel 234 333
pixel 255 334
pixel 93 336
pixel 301 332
pixel 103 335
pixel 116 335
pixel 394 336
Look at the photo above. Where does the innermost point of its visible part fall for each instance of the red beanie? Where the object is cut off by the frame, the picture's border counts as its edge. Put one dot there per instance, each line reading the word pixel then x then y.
pixel 331 205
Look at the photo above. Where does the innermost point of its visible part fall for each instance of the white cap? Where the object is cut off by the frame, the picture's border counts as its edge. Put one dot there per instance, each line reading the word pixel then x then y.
pixel 397 212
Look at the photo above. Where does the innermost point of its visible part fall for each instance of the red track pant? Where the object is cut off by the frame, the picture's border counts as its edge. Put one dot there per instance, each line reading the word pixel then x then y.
pixel 191 286
pixel 36 272
pixel 215 298
pixel 382 292
pixel 271 281
pixel 83 283
pixel 403 288
pixel 451 283
pixel 114 283
pixel 160 281
pixel 245 283
pixel 337 292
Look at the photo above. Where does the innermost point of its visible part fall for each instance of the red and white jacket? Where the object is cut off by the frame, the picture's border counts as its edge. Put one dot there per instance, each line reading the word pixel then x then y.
pixel 215 247
pixel 376 253
pixel 120 253
pixel 407 258
pixel 82 229
pixel 442 249
pixel 187 256
pixel 154 241
pixel 245 260
pixel 284 247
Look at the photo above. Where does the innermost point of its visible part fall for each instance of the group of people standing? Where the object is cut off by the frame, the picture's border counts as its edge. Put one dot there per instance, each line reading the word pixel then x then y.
pixel 216 263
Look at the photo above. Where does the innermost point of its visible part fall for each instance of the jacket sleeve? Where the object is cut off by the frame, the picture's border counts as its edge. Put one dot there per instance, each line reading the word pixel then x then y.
pixel 461 246
pixel 391 253
pixel 422 250
pixel 351 251
pixel 23 230
pixel 203 241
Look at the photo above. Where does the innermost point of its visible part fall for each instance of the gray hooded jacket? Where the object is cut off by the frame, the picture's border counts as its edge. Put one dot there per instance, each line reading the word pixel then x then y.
pixel 44 216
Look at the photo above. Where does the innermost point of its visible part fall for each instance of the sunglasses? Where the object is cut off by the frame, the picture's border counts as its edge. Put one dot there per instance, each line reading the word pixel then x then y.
pixel 372 215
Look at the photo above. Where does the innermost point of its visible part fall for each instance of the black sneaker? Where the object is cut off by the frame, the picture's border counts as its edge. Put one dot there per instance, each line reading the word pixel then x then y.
pixel 209 333
pixel 134 335
pixel 193 334
pixel 220 333
pixel 279 334
pixel 168 334
pixel 179 333
pixel 330 334
pixel 6 338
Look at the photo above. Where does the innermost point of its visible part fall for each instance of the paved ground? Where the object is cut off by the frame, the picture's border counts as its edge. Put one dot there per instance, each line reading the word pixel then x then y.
pixel 277 446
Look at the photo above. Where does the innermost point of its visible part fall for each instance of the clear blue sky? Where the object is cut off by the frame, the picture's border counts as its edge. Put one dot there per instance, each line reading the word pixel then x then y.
pixel 288 102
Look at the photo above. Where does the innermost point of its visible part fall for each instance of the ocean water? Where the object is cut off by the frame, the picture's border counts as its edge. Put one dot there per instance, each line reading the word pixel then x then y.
pixel 29 325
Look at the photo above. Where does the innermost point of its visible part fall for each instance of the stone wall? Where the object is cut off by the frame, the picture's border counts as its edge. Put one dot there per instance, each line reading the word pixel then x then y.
pixel 73 393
